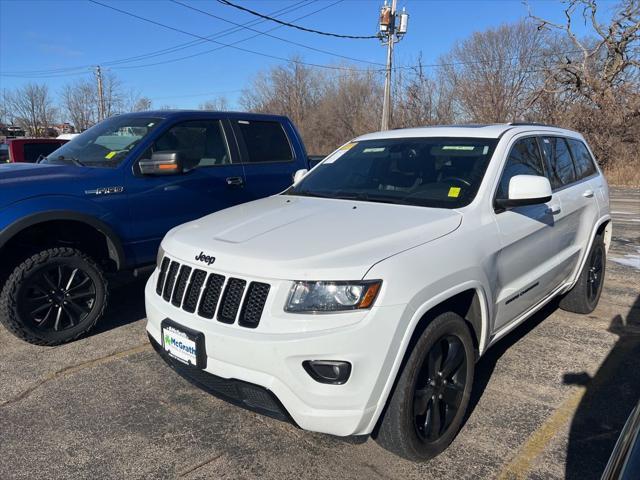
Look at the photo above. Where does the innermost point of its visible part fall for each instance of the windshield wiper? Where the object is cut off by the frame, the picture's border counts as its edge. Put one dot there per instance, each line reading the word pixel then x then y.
pixel 73 160
pixel 365 197
pixel 309 193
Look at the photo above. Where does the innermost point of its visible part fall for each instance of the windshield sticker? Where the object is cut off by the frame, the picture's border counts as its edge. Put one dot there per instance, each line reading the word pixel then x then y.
pixel 454 192
pixel 374 150
pixel 110 155
pixel 339 152
pixel 485 149
pixel 458 147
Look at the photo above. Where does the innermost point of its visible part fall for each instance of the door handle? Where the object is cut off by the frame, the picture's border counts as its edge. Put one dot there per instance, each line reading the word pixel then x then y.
pixel 588 193
pixel 553 209
pixel 235 181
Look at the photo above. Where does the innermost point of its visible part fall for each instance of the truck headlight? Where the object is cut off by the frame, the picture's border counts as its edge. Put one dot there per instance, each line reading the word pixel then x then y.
pixel 160 256
pixel 318 297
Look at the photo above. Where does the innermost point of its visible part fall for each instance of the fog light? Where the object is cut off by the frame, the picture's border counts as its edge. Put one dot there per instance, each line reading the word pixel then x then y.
pixel 328 371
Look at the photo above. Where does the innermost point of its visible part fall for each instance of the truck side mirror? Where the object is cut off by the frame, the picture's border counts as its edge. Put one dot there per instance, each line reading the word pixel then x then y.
pixel 526 190
pixel 299 174
pixel 162 163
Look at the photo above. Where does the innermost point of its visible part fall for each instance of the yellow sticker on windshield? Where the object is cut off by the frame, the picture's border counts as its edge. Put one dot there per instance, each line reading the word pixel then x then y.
pixel 347 146
pixel 110 155
pixel 454 192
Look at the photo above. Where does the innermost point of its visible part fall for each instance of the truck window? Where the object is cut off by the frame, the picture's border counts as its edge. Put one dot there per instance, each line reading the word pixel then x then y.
pixel 582 158
pixel 524 159
pixel 200 142
pixel 561 169
pixel 265 142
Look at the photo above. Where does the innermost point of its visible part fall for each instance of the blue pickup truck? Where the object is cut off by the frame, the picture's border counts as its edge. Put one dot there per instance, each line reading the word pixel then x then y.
pixel 103 202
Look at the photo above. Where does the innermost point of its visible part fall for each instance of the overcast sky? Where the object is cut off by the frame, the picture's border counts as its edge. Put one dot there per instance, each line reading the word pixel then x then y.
pixel 73 34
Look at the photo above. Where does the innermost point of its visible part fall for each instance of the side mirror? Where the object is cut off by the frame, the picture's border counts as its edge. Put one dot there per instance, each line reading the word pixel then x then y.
pixel 299 174
pixel 161 163
pixel 526 190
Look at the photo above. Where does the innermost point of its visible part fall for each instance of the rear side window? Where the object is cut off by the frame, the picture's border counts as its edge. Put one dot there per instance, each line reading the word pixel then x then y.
pixel 524 159
pixel 265 142
pixel 561 170
pixel 582 159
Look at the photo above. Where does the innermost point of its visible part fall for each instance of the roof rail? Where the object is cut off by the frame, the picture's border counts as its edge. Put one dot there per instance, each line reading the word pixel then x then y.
pixel 532 124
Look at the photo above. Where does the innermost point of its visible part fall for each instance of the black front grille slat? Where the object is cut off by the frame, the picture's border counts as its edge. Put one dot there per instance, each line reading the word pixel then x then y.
pixel 193 291
pixel 254 304
pixel 171 279
pixel 231 298
pixel 211 295
pixel 181 285
pixel 162 275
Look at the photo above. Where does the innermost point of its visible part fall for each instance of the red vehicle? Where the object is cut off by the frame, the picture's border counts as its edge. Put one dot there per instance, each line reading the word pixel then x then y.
pixel 29 149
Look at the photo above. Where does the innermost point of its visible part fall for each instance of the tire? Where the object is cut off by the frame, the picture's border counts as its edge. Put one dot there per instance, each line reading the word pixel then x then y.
pixel 53 297
pixel 404 429
pixel 585 294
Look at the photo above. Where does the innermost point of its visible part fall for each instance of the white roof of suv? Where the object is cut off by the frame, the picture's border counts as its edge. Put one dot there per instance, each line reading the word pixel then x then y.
pixel 495 130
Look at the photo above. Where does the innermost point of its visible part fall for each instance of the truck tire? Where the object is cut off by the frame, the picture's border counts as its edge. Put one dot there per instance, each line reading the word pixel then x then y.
pixel 585 294
pixel 429 402
pixel 53 297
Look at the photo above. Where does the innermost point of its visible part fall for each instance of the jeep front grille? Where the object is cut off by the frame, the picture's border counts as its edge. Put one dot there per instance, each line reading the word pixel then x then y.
pixel 212 295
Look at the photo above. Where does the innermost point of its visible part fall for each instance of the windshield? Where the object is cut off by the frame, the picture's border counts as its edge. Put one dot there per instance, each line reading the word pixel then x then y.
pixel 106 144
pixel 432 172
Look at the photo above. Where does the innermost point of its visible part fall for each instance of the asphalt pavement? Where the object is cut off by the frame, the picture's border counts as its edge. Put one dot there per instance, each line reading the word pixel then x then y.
pixel 548 402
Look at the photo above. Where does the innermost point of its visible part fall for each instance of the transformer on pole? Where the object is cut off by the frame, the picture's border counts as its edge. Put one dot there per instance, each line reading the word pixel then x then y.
pixel 392 28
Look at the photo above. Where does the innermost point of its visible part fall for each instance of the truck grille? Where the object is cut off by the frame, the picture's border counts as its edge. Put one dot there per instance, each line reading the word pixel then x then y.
pixel 193 290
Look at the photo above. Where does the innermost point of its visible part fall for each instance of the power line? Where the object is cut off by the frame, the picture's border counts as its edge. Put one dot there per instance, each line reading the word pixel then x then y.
pixel 61 72
pixel 221 47
pixel 287 24
pixel 175 29
pixel 275 36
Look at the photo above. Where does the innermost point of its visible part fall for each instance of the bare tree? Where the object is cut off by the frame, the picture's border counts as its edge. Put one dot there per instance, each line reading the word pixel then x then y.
pixel 493 74
pixel 142 104
pixel 79 103
pixel 32 107
pixel 596 80
pixel 220 104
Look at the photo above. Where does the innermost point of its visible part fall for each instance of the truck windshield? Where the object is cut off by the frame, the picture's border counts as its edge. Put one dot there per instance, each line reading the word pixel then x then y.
pixel 105 144
pixel 432 172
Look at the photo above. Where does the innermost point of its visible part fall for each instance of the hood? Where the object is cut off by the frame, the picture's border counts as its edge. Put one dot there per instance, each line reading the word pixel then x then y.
pixel 19 181
pixel 304 238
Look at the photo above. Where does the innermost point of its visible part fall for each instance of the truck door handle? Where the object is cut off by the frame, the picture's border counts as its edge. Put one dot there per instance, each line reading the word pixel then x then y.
pixel 553 209
pixel 588 193
pixel 235 181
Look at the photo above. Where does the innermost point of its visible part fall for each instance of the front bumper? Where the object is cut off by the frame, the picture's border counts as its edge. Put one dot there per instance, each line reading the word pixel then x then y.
pixel 271 357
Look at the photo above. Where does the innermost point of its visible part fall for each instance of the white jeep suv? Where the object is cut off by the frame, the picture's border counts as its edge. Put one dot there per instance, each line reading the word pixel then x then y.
pixel 358 301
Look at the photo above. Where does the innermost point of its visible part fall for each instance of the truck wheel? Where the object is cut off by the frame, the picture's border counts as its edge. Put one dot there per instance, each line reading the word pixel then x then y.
pixel 53 297
pixel 585 294
pixel 430 400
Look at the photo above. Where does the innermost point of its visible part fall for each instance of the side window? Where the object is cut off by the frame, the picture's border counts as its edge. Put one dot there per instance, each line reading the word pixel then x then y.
pixel 582 158
pixel 524 159
pixel 561 169
pixel 265 142
pixel 201 143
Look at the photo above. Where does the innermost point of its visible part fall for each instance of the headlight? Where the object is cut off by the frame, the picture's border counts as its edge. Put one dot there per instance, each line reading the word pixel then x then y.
pixel 160 256
pixel 317 297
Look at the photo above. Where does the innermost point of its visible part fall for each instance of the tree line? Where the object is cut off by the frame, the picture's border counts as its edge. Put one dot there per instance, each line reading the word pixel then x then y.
pixel 533 70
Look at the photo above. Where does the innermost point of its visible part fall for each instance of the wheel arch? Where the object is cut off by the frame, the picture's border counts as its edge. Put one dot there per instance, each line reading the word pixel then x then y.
pixel 468 300
pixel 113 246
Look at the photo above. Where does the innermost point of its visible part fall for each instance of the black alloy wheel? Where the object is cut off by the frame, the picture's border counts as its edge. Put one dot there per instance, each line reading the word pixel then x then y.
pixel 58 297
pixel 594 276
pixel 439 388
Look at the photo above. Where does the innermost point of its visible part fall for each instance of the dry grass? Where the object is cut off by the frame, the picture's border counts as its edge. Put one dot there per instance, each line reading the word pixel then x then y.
pixel 623 174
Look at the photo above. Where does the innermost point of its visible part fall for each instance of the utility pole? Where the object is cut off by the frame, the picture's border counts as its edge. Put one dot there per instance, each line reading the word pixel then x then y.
pixel 101 114
pixel 390 33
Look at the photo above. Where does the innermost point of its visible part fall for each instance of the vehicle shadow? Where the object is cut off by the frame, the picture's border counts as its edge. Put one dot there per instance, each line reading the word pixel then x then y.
pixel 610 396
pixel 126 305
pixel 487 364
